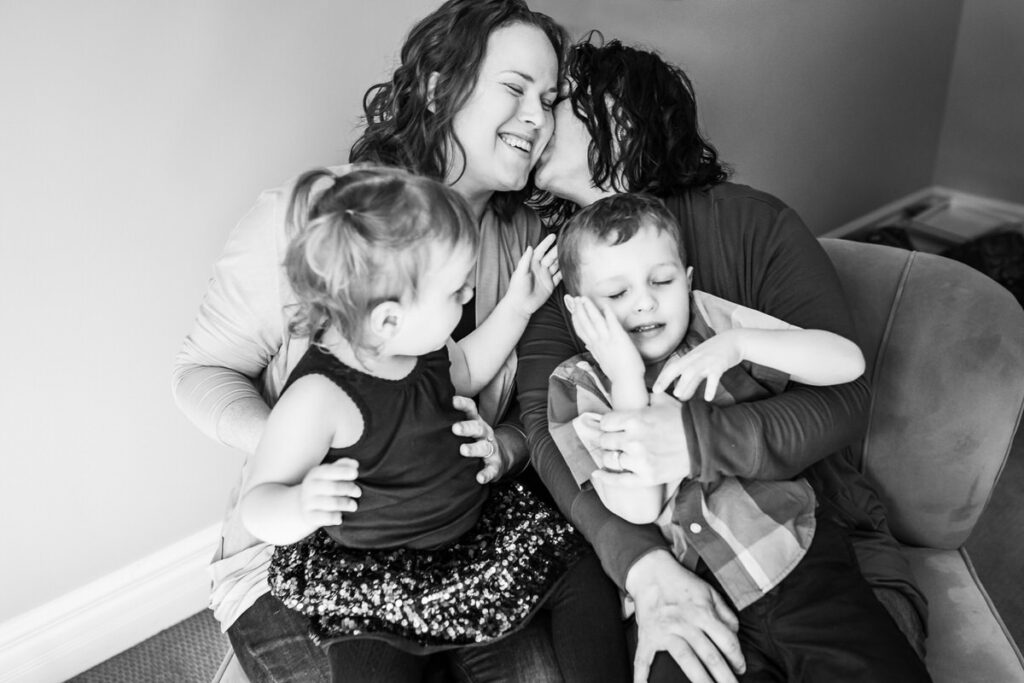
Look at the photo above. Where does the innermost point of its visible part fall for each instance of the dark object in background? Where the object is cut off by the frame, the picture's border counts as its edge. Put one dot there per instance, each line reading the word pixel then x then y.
pixel 998 254
pixel 890 236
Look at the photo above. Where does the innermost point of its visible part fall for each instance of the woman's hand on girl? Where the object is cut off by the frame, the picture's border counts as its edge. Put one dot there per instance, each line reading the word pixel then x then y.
pixel 535 277
pixel 485 447
pixel 329 490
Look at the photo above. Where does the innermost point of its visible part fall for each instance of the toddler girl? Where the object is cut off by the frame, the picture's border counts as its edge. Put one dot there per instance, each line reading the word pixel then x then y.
pixel 429 560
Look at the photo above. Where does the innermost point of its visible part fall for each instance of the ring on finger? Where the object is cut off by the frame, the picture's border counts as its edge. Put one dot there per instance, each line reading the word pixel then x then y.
pixel 616 458
pixel 492 447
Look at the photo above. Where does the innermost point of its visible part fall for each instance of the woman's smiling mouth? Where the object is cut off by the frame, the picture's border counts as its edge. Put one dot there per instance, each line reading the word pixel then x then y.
pixel 516 142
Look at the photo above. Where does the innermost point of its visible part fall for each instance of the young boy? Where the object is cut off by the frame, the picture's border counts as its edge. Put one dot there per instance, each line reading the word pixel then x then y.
pixel 631 305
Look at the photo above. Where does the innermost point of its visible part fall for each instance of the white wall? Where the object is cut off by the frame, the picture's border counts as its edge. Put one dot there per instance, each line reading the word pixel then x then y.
pixel 834 106
pixel 982 145
pixel 134 134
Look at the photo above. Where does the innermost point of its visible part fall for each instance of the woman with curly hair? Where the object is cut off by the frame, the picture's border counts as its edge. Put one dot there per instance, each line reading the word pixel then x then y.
pixel 628 123
pixel 470 105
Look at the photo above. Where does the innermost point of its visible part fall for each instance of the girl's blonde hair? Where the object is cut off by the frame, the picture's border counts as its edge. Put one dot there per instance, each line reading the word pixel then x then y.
pixel 363 240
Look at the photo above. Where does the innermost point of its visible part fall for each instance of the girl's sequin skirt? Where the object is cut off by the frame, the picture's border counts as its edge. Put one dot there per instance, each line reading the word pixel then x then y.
pixel 481 587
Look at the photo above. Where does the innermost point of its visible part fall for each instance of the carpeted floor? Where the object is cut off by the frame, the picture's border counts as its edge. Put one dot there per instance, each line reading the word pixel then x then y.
pixel 188 652
pixel 191 652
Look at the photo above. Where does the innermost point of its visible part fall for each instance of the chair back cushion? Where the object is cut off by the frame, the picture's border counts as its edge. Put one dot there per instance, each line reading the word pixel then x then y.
pixel 944 346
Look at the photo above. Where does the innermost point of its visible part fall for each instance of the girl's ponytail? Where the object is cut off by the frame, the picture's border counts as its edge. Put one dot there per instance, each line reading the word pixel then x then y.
pixel 298 216
pixel 362 238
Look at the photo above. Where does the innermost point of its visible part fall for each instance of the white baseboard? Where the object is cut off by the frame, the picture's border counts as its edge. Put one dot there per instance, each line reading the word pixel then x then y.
pixel 997 207
pixel 95 622
pixel 880 213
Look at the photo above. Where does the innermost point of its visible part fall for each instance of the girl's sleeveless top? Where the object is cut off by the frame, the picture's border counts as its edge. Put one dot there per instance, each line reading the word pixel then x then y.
pixel 418 491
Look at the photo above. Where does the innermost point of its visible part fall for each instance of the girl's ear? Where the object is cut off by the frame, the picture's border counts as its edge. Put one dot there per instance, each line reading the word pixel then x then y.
pixel 689 277
pixel 431 86
pixel 386 320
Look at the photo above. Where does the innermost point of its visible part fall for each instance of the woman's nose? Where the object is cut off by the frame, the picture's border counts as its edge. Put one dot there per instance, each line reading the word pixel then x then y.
pixel 531 110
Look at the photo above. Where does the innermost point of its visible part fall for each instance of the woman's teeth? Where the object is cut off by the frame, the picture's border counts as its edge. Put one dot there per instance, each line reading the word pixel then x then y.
pixel 517 142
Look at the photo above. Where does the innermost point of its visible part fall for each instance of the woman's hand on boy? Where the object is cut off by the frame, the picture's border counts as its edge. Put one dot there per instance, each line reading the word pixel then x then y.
pixel 679 613
pixel 535 277
pixel 651 442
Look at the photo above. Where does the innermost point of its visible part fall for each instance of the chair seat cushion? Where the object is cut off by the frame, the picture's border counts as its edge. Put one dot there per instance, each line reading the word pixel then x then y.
pixel 967 639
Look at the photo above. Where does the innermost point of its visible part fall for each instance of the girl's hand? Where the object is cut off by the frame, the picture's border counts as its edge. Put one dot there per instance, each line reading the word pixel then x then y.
pixel 708 361
pixel 535 277
pixel 605 339
pixel 485 447
pixel 327 491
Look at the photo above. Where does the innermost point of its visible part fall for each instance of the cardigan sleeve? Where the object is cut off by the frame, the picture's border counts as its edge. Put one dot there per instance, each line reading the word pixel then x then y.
pixel 240 326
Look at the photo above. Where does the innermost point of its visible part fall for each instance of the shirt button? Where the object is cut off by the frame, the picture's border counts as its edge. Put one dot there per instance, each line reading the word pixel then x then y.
pixel 695 528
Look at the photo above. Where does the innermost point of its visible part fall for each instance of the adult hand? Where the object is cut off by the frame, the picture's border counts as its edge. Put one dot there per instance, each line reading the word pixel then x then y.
pixel 681 614
pixel 651 443
pixel 485 447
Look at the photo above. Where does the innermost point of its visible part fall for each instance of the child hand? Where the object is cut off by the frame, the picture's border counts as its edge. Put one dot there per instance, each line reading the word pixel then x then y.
pixel 327 491
pixel 604 337
pixel 707 362
pixel 535 277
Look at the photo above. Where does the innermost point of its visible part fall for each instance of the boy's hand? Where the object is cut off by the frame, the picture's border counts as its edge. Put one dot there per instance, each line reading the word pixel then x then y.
pixel 604 337
pixel 535 277
pixel 708 361
pixel 329 490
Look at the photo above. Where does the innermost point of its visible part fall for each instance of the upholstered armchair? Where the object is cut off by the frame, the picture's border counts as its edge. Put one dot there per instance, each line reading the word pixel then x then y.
pixel 945 351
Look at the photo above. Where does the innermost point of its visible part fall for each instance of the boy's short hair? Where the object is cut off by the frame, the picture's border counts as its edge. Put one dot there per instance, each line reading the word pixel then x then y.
pixel 611 220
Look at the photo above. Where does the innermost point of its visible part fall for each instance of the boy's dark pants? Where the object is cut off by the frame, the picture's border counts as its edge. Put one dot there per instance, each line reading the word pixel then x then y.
pixel 822 623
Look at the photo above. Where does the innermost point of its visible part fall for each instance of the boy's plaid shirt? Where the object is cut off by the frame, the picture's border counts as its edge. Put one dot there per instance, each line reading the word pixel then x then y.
pixel 749 533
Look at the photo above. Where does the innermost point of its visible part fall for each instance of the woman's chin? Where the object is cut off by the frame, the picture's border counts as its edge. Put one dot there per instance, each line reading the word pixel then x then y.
pixel 555 189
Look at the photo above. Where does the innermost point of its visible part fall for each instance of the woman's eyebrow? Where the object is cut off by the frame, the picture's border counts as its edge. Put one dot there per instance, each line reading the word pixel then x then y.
pixel 521 74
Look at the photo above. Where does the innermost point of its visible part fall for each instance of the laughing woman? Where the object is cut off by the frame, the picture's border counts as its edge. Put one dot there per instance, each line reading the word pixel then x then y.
pixel 470 105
